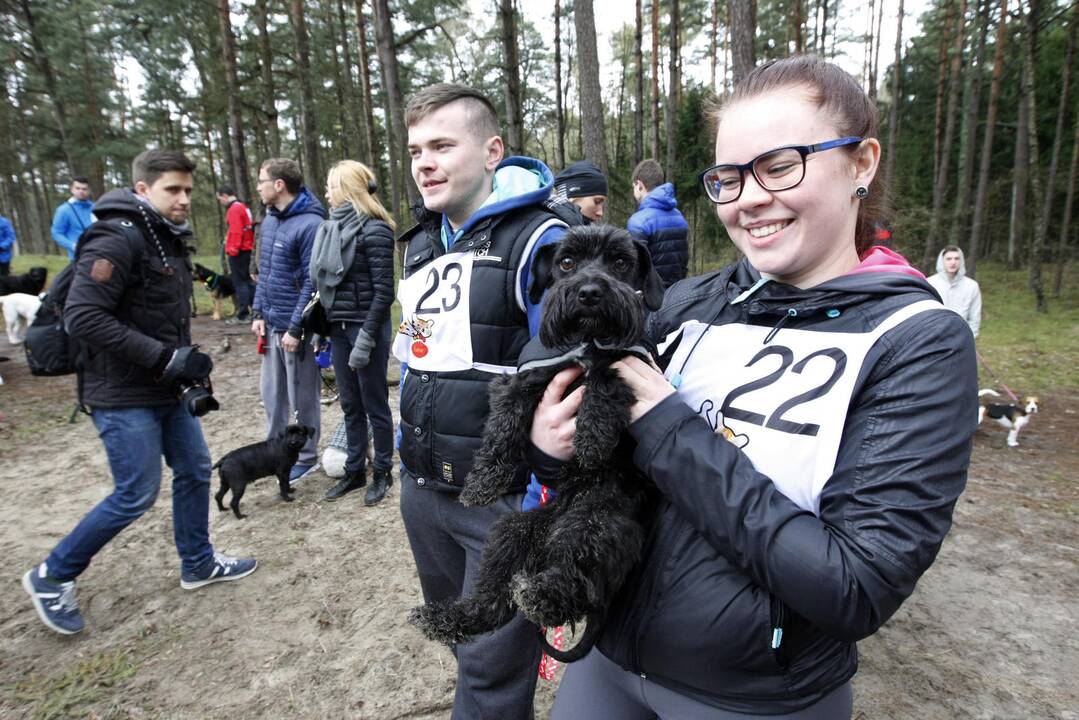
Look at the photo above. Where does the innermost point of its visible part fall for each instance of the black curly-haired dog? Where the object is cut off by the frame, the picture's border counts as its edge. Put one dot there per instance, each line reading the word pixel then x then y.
pixel 247 464
pixel 564 561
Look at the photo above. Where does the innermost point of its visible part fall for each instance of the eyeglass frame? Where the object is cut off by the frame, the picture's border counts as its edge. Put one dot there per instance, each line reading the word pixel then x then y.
pixel 803 150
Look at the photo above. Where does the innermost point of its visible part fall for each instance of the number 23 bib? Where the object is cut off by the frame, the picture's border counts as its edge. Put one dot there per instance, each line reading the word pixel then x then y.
pixel 435 333
pixel 783 403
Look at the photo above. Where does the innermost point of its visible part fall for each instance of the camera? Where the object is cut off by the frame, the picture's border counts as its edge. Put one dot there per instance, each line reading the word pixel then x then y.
pixel 198 397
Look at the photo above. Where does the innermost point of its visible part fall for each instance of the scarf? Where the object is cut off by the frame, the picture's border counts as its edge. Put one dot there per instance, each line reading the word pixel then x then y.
pixel 335 249
pixel 176 229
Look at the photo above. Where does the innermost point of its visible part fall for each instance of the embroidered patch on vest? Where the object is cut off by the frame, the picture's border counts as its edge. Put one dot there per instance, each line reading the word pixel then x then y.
pixel 447 472
pixel 101 270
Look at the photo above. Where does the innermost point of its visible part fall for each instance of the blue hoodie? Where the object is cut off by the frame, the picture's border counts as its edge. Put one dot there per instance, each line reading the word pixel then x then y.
pixel 285 243
pixel 7 239
pixel 661 227
pixel 69 221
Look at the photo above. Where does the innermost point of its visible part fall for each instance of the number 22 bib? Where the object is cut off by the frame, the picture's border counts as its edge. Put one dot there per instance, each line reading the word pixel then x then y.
pixel 785 403
pixel 435 333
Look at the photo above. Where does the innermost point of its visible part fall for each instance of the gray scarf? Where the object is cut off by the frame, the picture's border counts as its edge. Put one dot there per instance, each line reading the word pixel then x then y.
pixel 335 249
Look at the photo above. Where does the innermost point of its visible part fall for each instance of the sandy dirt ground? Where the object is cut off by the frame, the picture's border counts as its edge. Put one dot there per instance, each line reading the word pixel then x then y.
pixel 320 631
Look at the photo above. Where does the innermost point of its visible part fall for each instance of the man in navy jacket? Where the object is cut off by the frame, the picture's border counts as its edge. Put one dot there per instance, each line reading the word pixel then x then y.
pixel 289 372
pixel 658 223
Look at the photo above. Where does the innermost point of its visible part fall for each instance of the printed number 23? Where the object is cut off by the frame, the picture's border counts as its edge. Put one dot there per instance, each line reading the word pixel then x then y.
pixel 775 420
pixel 433 282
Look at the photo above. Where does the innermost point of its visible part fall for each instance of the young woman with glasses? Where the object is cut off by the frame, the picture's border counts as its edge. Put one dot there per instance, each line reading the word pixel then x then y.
pixel 809 432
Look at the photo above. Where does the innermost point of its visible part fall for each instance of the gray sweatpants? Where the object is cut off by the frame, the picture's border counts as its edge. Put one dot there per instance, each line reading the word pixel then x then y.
pixel 595 687
pixel 290 386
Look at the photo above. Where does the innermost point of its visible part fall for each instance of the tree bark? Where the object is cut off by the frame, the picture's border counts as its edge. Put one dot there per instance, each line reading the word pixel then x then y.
pixel 1061 256
pixel 876 53
pixel 354 103
pixel 41 58
pixel 897 101
pixel 743 37
pixel 968 135
pixel 387 58
pixel 638 106
pixel 1039 194
pixel 511 76
pixel 672 91
pixel 269 95
pixel 714 41
pixel 592 120
pixel 370 147
pixel 236 122
pixel 655 80
pixel 982 193
pixel 560 113
pixel 308 120
pixel 621 102
pixel 96 159
pixel 339 89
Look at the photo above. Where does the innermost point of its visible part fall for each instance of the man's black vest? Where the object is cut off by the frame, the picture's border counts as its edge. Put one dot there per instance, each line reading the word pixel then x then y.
pixel 443 413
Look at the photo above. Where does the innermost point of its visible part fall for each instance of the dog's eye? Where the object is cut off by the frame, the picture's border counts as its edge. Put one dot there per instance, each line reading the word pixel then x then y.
pixel 567 264
pixel 620 265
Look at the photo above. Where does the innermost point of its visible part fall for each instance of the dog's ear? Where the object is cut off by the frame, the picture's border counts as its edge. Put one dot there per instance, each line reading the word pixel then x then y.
pixel 542 264
pixel 649 281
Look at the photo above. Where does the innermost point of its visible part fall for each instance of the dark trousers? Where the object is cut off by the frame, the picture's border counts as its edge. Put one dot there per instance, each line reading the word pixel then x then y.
pixel 240 270
pixel 5 268
pixel 496 672
pixel 364 396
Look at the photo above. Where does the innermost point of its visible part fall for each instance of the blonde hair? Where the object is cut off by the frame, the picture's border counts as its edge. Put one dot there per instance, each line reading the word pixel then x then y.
pixel 351 181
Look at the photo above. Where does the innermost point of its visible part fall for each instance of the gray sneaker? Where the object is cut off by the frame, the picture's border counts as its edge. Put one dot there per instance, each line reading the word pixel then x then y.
pixel 54 600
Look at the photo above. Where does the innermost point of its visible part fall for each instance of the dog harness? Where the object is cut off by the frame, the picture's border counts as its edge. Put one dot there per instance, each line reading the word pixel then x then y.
pixel 784 401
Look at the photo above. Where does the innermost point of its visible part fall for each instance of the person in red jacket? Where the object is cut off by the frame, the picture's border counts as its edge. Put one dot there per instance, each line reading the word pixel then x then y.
pixel 239 242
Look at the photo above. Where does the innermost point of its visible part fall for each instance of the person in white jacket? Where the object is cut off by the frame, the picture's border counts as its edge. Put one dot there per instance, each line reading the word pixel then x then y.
pixel 958 292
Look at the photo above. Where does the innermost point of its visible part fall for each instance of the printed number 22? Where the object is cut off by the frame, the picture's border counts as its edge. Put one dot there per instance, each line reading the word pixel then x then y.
pixel 433 281
pixel 775 420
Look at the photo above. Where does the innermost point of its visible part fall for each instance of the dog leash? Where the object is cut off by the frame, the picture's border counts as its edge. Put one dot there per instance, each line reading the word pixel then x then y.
pixel 998 381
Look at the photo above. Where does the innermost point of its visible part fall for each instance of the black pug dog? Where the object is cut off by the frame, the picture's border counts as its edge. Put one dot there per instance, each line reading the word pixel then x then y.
pixel 566 560
pixel 220 287
pixel 31 283
pixel 247 464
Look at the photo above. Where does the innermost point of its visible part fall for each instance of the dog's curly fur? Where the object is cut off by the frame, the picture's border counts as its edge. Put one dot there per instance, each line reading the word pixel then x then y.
pixel 563 562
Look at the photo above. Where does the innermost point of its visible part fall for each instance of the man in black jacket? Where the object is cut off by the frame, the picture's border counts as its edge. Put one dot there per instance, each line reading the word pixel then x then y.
pixel 128 305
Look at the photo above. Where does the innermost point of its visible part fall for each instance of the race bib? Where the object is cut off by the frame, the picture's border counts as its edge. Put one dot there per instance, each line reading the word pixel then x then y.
pixel 435 332
pixel 783 403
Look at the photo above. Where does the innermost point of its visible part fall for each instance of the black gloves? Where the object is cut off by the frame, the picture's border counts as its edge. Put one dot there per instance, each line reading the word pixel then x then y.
pixel 184 365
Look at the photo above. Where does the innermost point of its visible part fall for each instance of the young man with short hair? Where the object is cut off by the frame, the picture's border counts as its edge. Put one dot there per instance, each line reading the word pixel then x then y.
pixel 239 242
pixel 466 318
pixel 73 217
pixel 128 305
pixel 658 223
pixel 959 292
pixel 289 379
pixel 584 185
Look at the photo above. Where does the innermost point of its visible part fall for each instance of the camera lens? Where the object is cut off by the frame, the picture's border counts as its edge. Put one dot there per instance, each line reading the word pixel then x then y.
pixel 197 400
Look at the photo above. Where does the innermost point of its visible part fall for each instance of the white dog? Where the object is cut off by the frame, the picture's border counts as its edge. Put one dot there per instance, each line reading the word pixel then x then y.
pixel 20 310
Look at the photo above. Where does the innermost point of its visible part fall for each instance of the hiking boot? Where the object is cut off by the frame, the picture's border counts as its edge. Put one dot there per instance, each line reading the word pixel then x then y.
pixel 381 481
pixel 54 600
pixel 300 471
pixel 221 569
pixel 351 481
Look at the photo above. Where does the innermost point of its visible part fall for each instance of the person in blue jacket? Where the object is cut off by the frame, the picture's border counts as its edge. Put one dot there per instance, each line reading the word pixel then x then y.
pixel 289 380
pixel 7 244
pixel 658 223
pixel 74 216
pixel 809 433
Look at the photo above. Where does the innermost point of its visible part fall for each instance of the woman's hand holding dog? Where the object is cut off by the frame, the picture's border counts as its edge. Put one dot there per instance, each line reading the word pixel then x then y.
pixel 647 383
pixel 555 421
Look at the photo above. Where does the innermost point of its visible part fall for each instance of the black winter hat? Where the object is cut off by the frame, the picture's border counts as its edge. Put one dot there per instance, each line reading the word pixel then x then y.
pixel 581 179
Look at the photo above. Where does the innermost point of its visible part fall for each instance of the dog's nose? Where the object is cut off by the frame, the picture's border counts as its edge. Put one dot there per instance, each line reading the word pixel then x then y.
pixel 589 294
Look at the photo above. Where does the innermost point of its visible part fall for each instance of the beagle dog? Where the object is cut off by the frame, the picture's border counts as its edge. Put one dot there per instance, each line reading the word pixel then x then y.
pixel 1012 416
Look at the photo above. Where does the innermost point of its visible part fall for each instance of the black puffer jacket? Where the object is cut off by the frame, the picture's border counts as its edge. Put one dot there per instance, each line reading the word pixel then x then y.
pixel 365 294
pixel 127 304
pixel 732 558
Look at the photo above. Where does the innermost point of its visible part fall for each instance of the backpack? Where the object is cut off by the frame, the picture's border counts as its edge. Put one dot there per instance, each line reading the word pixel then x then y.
pixel 49 349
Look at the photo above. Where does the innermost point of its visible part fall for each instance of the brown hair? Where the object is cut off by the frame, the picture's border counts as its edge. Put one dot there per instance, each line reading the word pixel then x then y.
pixel 483 118
pixel 149 165
pixel 649 173
pixel 285 170
pixel 837 93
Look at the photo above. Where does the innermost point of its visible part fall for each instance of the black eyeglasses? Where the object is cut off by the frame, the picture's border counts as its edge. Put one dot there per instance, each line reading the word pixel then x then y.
pixel 775 170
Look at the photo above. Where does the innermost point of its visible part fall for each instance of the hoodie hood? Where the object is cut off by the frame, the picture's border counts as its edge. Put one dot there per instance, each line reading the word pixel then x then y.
pixel 518 181
pixel 960 274
pixel 661 197
pixel 303 203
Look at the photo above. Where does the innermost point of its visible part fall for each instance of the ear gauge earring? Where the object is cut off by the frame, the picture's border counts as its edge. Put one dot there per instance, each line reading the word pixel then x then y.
pixel 861 192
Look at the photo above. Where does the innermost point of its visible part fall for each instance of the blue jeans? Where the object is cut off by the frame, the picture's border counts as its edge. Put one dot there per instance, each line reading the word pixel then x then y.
pixel 135 439
pixel 364 396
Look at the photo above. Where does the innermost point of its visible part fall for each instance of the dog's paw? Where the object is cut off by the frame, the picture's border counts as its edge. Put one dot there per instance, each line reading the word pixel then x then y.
pixel 434 621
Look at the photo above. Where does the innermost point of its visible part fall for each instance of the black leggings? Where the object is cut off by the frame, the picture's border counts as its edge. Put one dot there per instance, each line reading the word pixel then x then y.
pixel 595 687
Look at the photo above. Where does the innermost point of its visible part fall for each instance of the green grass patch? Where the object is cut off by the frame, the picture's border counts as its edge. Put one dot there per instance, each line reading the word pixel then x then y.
pixel 69 694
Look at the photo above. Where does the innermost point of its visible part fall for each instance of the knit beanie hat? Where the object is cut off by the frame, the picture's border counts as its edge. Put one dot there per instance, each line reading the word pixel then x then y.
pixel 581 179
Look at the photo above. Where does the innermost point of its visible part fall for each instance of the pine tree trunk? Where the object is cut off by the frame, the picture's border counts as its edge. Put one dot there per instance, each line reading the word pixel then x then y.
pixel 941 182
pixel 41 59
pixel 942 79
pixel 236 122
pixel 316 178
pixel 638 105
pixel 355 105
pixel 672 92
pixel 743 37
pixel 1038 194
pixel 560 113
pixel 893 111
pixel 342 135
pixel 655 81
pixel 269 95
pixel 982 194
pixel 968 135
pixel 876 53
pixel 824 29
pixel 511 78
pixel 387 58
pixel 714 40
pixel 96 159
pixel 621 102
pixel 1061 256
pixel 592 120
pixel 370 146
